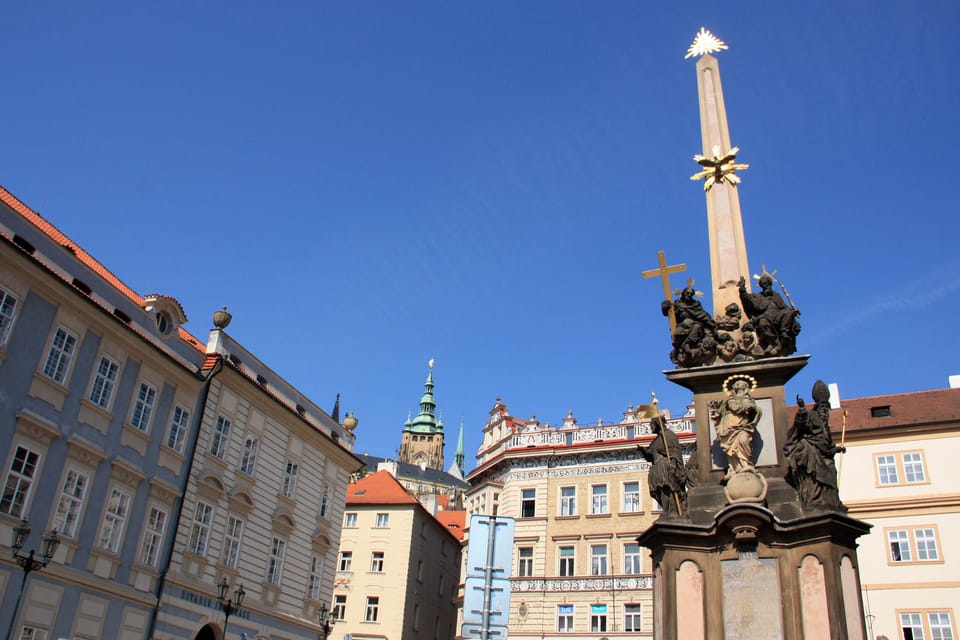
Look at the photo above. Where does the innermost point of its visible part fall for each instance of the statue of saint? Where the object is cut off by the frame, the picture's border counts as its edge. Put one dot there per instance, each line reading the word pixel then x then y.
pixel 736 419
pixel 809 451
pixel 694 342
pixel 774 321
pixel 667 477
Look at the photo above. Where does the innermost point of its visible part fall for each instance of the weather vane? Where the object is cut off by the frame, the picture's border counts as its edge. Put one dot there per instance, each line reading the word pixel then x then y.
pixel 704 43
pixel 719 168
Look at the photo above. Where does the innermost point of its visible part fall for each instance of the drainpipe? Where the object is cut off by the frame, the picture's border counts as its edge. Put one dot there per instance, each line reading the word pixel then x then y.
pixel 178 510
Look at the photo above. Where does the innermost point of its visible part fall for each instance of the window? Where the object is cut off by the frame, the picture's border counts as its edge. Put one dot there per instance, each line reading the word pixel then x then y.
pixel 8 306
pixel 565 618
pixel 383 520
pixel 911 626
pixel 631 558
pixel 350 521
pixel 143 406
pixel 941 627
pixel 153 536
pixel 598 559
pixel 316 578
pixel 324 500
pixel 290 478
pixel 567 558
pixel 346 559
pixel 598 499
pixel 631 497
pixel 61 353
pixel 114 520
pixel 104 381
pixel 376 562
pixel 900 468
pixel 200 533
pixel 218 444
pixel 16 489
pixel 416 617
pixel 631 618
pixel 71 502
pixel 598 618
pixel 525 562
pixel 528 503
pixel 178 428
pixel 373 608
pixel 29 632
pixel 231 542
pixel 275 564
pixel 249 458
pixel 420 570
pixel 916 544
pixel 339 612
pixel 568 501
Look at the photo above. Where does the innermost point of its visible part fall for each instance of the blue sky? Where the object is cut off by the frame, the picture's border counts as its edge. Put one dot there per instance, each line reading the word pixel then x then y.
pixel 368 185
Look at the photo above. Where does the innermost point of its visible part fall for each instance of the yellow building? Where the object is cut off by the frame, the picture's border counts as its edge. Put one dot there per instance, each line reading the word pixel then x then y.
pixel 900 475
pixel 580 499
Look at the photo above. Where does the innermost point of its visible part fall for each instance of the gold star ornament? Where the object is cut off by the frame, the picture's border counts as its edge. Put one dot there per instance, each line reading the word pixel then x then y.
pixel 719 168
pixel 704 43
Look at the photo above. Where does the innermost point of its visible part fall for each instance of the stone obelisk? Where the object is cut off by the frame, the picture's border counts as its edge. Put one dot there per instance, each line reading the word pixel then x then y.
pixel 728 249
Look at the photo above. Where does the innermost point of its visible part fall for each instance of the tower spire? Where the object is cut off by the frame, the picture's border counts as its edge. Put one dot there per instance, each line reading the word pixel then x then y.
pixel 728 249
pixel 458 456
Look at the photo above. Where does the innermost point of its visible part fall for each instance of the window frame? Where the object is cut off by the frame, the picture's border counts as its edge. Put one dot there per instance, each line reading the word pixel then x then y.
pixel 66 525
pixel 345 562
pixel 199 539
pixel 220 437
pixel 248 458
pixel 315 579
pixel 634 558
pixel 633 617
pixel 568 503
pixel 565 617
pixel 924 615
pixel 141 414
pixel 599 500
pixel 372 610
pixel 22 478
pixel 528 503
pixel 8 314
pixel 599 562
pixel 179 425
pixel 339 610
pixel 150 544
pixel 598 619
pixel 524 562
pixel 290 474
pixel 634 497
pixel 910 543
pixel 899 468
pixel 59 359
pixel 350 520
pixel 114 521
pixel 566 563
pixel 278 551
pixel 232 541
pixel 383 521
pixel 104 383
pixel 376 561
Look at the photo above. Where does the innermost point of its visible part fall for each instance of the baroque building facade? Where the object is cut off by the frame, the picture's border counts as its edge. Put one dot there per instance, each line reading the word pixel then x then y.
pixel 580 499
pixel 165 464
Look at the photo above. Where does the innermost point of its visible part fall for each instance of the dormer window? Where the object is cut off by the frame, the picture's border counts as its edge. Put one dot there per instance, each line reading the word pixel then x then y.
pixel 167 314
pixel 880 412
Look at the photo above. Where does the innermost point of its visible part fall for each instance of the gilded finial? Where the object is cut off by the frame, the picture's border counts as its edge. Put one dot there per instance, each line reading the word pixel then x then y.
pixel 704 43
pixel 719 168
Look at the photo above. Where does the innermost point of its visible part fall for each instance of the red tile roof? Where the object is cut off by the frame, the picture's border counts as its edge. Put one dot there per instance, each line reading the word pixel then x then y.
pixel 378 488
pixel 44 226
pixel 454 521
pixel 920 409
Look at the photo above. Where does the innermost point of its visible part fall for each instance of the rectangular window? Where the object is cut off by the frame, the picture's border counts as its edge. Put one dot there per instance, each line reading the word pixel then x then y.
pixel 373 609
pixel 290 478
pixel 324 501
pixel 631 497
pixel 926 543
pixel 565 618
pixel 29 632
pixel 339 612
pixel 376 562
pixel 275 564
pixel 114 520
pixel 887 469
pixel 383 520
pixel 631 558
pixel 16 490
pixel 249 458
pixel 941 627
pixel 899 541
pixel 631 618
pixel 911 625
pixel 178 428
pixel 221 433
pixel 153 536
pixel 346 560
pixel 567 558
pixel 143 406
pixel 598 559
pixel 104 382
pixel 568 501
pixel 525 562
pixel 528 503
pixel 350 521
pixel 598 618
pixel 8 306
pixel 316 578
pixel 200 533
pixel 231 542
pixel 72 495
pixel 913 467
pixel 598 499
pixel 61 353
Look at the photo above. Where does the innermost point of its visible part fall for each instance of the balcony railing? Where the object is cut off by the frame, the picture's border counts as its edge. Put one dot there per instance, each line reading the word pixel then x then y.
pixel 591 583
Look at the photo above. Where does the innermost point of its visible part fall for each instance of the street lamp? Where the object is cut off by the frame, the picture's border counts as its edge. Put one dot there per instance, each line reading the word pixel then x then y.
pixel 29 562
pixel 229 605
pixel 326 625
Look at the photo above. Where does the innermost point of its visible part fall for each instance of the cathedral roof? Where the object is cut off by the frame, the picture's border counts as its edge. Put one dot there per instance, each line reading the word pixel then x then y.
pixel 414 472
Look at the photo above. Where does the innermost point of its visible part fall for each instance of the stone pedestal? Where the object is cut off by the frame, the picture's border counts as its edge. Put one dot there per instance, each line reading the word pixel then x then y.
pixel 735 568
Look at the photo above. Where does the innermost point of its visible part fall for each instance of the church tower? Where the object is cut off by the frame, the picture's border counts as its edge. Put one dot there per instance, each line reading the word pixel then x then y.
pixel 422 442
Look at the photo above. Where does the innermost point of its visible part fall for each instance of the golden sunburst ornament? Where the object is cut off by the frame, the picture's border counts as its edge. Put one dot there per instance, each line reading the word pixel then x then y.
pixel 719 168
pixel 704 43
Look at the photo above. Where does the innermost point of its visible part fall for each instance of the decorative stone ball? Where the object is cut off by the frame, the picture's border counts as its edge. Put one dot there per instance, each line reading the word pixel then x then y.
pixel 746 486
pixel 350 422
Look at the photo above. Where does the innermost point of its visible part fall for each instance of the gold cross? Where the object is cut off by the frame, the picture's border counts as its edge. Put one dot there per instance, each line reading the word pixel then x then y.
pixel 663 271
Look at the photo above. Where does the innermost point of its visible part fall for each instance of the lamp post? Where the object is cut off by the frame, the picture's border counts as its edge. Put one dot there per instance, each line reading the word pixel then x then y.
pixel 326 626
pixel 229 605
pixel 29 562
